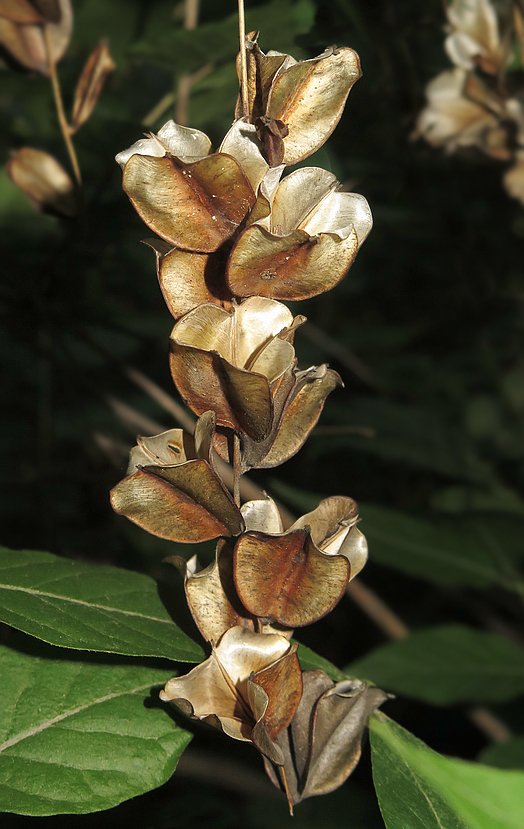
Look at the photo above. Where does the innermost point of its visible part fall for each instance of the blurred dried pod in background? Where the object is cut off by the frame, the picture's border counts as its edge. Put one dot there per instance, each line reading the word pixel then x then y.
pixel 22 31
pixel 90 84
pixel 44 180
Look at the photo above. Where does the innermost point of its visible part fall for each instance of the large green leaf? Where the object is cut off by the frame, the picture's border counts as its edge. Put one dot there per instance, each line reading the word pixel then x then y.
pixel 420 789
pixel 88 607
pixel 476 551
pixel 78 737
pixel 446 665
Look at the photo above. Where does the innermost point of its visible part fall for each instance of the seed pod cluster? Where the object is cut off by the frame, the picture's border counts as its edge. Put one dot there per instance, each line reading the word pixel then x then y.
pixel 235 236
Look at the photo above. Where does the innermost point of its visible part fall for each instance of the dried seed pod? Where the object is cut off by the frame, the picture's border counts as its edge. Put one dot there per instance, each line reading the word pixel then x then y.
pixel 172 490
pixel 22 33
pixel 322 745
pixel 196 206
pixel 249 688
pixel 297 105
pixel 45 181
pixel 234 361
pixel 297 577
pixel 304 243
pixel 475 37
pixel 462 112
pixel 190 279
pixel 211 594
pixel 99 65
pixel 192 199
pixel 297 405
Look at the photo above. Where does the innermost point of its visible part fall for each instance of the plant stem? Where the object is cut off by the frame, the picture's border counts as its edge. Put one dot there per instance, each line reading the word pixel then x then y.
pixel 62 120
pixel 191 14
pixel 236 470
pixel 243 58
pixel 191 9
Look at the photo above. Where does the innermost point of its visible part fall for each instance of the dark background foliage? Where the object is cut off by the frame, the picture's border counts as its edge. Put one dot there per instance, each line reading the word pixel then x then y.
pixel 426 331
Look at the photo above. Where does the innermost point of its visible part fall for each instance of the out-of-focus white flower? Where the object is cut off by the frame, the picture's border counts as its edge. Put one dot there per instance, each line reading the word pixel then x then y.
pixel 475 36
pixel 453 119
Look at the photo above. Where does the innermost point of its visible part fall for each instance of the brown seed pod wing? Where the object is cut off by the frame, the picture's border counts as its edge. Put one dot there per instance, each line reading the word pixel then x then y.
pixel 194 206
pixel 190 279
pixel 213 599
pixel 300 415
pixel 185 503
pixel 286 578
pixel 332 514
pixel 240 398
pixel 216 691
pixel 340 718
pixel 295 741
pixel 167 449
pixel 293 267
pixel 274 695
pixel 322 745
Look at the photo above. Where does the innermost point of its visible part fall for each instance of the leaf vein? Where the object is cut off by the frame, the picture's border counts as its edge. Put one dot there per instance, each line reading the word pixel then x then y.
pixel 37 729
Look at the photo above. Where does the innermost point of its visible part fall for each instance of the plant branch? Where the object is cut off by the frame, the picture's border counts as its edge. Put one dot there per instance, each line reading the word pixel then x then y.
pixel 191 9
pixel 243 59
pixel 62 120
pixel 236 470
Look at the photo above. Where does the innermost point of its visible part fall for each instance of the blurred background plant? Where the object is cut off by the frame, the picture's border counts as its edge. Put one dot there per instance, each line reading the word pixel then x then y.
pixel 426 332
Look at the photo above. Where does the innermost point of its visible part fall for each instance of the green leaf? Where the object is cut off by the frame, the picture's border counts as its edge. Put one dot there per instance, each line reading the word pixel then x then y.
pixel 420 789
pixel 85 606
pixel 508 755
pixel 78 737
pixel 447 665
pixel 406 799
pixel 474 551
pixel 311 661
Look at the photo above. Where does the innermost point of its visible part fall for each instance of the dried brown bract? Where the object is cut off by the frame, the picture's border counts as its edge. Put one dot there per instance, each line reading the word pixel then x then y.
pixel 234 361
pixel 479 102
pixel 99 65
pixel 305 242
pixel 22 25
pixel 297 577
